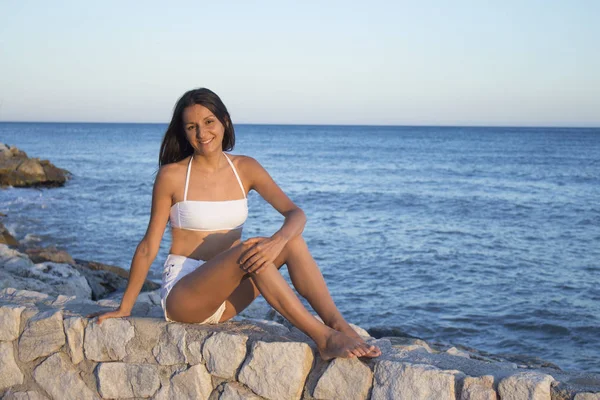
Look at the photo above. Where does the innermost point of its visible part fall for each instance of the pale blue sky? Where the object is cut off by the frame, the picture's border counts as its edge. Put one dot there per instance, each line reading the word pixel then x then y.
pixel 333 62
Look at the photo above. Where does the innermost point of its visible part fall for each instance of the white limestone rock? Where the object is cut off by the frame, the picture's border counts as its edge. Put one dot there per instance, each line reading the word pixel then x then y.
pixel 121 380
pixel 18 271
pixel 10 322
pixel 362 332
pixel 107 341
pixel 344 378
pixel 13 260
pixel 478 388
pixel 406 344
pixel 10 374
pixel 272 327
pixel 587 396
pixel 61 380
pixel 74 328
pixel 193 353
pixel 224 354
pixel 398 380
pixel 235 391
pixel 22 296
pixel 28 395
pixel 456 352
pixel 61 300
pixel 65 279
pixel 277 370
pixel 42 336
pixel 170 349
pixel 193 383
pixel 525 386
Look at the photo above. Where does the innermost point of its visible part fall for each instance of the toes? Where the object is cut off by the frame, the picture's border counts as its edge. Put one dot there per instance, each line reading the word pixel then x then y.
pixel 371 351
pixel 374 353
pixel 357 352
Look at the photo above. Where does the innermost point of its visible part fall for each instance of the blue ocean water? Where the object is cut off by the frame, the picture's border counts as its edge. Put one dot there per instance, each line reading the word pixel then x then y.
pixel 485 237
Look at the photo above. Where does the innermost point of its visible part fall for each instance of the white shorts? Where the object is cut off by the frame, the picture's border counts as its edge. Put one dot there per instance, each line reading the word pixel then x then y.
pixel 175 268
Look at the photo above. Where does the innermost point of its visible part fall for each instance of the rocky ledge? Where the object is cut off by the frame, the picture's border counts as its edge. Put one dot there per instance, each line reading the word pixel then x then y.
pixel 18 170
pixel 50 350
pixel 54 272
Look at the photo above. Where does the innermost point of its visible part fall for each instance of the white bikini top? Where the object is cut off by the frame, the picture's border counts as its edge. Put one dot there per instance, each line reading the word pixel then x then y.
pixel 202 215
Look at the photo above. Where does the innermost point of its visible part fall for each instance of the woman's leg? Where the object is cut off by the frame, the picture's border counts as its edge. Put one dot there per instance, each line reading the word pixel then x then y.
pixel 197 295
pixel 308 281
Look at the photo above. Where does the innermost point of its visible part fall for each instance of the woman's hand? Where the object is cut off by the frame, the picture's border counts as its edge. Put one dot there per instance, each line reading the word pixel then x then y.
pixel 263 252
pixel 118 313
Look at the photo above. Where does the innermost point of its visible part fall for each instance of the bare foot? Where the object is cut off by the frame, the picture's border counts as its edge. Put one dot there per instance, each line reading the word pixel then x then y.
pixel 365 349
pixel 340 345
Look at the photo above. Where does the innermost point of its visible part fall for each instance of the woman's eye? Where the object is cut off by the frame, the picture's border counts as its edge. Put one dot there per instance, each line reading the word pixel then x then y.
pixel 191 127
pixel 209 122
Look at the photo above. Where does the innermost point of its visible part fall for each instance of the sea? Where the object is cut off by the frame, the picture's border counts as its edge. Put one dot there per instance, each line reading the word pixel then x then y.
pixel 486 237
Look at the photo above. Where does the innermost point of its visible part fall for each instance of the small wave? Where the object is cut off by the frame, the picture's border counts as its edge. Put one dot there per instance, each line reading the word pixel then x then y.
pixel 550 329
pixel 31 238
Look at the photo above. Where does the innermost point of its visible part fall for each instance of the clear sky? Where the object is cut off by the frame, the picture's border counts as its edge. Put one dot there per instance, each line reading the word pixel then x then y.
pixel 512 62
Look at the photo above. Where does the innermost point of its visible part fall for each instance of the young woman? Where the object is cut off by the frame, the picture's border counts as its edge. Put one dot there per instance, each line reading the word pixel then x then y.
pixel 210 275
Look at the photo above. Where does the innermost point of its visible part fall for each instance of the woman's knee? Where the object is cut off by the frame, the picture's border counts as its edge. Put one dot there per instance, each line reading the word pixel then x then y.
pixel 294 244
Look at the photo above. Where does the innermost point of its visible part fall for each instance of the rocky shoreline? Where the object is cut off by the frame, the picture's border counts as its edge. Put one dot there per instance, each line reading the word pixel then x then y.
pixel 54 272
pixel 18 170
pixel 49 349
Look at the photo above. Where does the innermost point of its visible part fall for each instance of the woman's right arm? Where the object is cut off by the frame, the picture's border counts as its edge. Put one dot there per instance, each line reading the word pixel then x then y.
pixel 147 249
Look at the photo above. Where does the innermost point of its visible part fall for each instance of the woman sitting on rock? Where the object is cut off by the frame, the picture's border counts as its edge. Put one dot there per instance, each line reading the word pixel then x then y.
pixel 210 275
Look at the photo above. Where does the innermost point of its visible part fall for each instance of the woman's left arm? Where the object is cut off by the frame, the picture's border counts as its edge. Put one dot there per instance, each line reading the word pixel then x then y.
pixel 265 250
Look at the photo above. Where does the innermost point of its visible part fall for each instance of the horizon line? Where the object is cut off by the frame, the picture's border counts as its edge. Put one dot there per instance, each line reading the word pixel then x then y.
pixel 349 125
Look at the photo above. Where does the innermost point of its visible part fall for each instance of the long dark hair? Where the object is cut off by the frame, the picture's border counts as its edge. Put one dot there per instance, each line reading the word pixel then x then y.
pixel 175 146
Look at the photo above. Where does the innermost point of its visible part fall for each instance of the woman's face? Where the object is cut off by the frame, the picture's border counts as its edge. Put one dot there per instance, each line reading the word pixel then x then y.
pixel 203 130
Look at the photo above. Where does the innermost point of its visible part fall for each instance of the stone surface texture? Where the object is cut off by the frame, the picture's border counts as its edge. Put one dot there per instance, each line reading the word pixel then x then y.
pixel 120 380
pixel 587 396
pixel 18 170
pixel 346 379
pixel 74 328
pixel 394 380
pixel 41 254
pixel 10 322
pixel 235 391
pixel 224 354
pixel 10 374
pixel 170 348
pixel 263 369
pixel 28 395
pixel 50 349
pixel 43 335
pixel 107 341
pixel 55 272
pixel 57 376
pixel 193 383
pixel 525 385
pixel 478 388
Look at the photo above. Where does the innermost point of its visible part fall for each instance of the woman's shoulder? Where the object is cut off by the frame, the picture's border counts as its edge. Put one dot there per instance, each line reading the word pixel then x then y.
pixel 170 172
pixel 243 161
pixel 174 167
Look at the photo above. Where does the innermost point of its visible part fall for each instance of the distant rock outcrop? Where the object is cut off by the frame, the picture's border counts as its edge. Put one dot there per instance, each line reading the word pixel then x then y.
pixel 18 170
